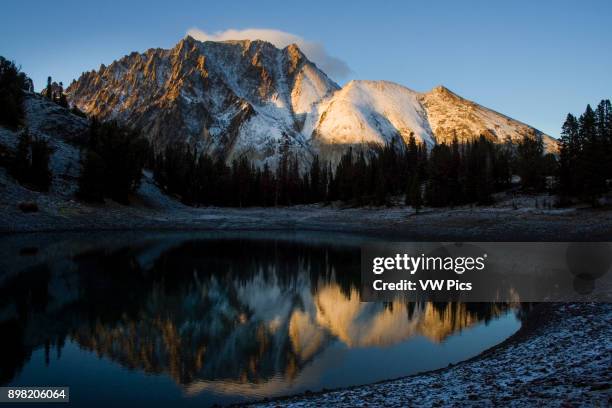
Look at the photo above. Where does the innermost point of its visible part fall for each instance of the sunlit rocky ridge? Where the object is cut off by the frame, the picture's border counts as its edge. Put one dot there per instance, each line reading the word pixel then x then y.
pixel 236 98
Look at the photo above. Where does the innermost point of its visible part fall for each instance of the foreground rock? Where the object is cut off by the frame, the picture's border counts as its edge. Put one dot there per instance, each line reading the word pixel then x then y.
pixel 560 357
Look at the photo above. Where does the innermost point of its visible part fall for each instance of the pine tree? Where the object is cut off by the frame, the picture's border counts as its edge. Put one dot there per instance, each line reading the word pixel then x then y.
pixel 456 196
pixel 242 180
pixel 359 191
pixel 332 189
pixel 569 154
pixel 23 158
pixel 325 182
pixel 267 187
pixel 222 183
pixel 608 108
pixel 316 182
pixel 204 179
pixel 294 187
pixel 593 167
pixel 62 101
pixel 438 187
pixel 550 168
pixel 48 92
pixel 530 151
pixel 344 176
pixel 91 181
pixel 12 84
pixel 604 134
pixel 502 172
pixel 416 199
pixel 30 164
pixel 484 179
pixel 40 174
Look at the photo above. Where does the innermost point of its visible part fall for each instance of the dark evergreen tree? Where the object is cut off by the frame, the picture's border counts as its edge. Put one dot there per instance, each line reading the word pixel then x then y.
pixel 267 187
pixel 21 162
pixel 30 164
pixel 569 153
pixel 603 123
pixel 359 189
pixel 550 169
pixel 222 183
pixel 415 193
pixel 454 183
pixel 40 174
pixel 317 181
pixel 61 100
pixel 438 190
pixel 294 187
pixel 48 91
pixel 530 151
pixel 485 185
pixel 122 152
pixel 12 85
pixel 92 178
pixel 242 182
pixel 204 178
pixel 592 160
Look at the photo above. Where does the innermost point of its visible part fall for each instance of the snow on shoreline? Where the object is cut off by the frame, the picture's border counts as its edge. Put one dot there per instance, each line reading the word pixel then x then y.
pixel 560 357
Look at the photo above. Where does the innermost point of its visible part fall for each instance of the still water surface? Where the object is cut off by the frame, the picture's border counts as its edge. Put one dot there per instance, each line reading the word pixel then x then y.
pixel 203 319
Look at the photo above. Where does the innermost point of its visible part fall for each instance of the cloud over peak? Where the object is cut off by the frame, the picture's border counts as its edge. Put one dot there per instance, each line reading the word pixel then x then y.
pixel 332 66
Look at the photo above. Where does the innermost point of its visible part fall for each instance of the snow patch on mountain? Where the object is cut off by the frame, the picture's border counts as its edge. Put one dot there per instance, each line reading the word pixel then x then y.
pixel 379 112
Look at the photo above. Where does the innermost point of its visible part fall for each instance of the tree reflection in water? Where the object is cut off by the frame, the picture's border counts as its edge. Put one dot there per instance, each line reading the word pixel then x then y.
pixel 239 310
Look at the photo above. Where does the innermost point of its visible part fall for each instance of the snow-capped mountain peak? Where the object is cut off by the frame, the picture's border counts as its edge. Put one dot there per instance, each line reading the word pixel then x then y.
pixel 235 98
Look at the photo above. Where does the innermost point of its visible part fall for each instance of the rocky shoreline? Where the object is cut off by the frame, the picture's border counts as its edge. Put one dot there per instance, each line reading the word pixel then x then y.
pixel 561 356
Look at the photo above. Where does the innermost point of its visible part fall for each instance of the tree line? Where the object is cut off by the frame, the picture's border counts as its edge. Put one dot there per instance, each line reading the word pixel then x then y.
pixel 585 155
pixel 111 162
pixel 447 175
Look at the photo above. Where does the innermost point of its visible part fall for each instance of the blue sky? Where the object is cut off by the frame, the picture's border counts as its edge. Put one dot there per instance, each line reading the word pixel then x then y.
pixel 532 60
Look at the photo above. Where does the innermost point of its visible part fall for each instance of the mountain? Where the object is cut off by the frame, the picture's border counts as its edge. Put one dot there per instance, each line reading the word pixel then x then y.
pixel 229 98
pixel 236 98
pixel 450 115
pixel 380 112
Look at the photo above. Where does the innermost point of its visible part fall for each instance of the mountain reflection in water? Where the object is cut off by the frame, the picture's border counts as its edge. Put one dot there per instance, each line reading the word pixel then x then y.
pixel 226 315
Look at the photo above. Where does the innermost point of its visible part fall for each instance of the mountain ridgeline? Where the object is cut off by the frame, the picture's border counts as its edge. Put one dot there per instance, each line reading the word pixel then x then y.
pixel 243 123
pixel 238 99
